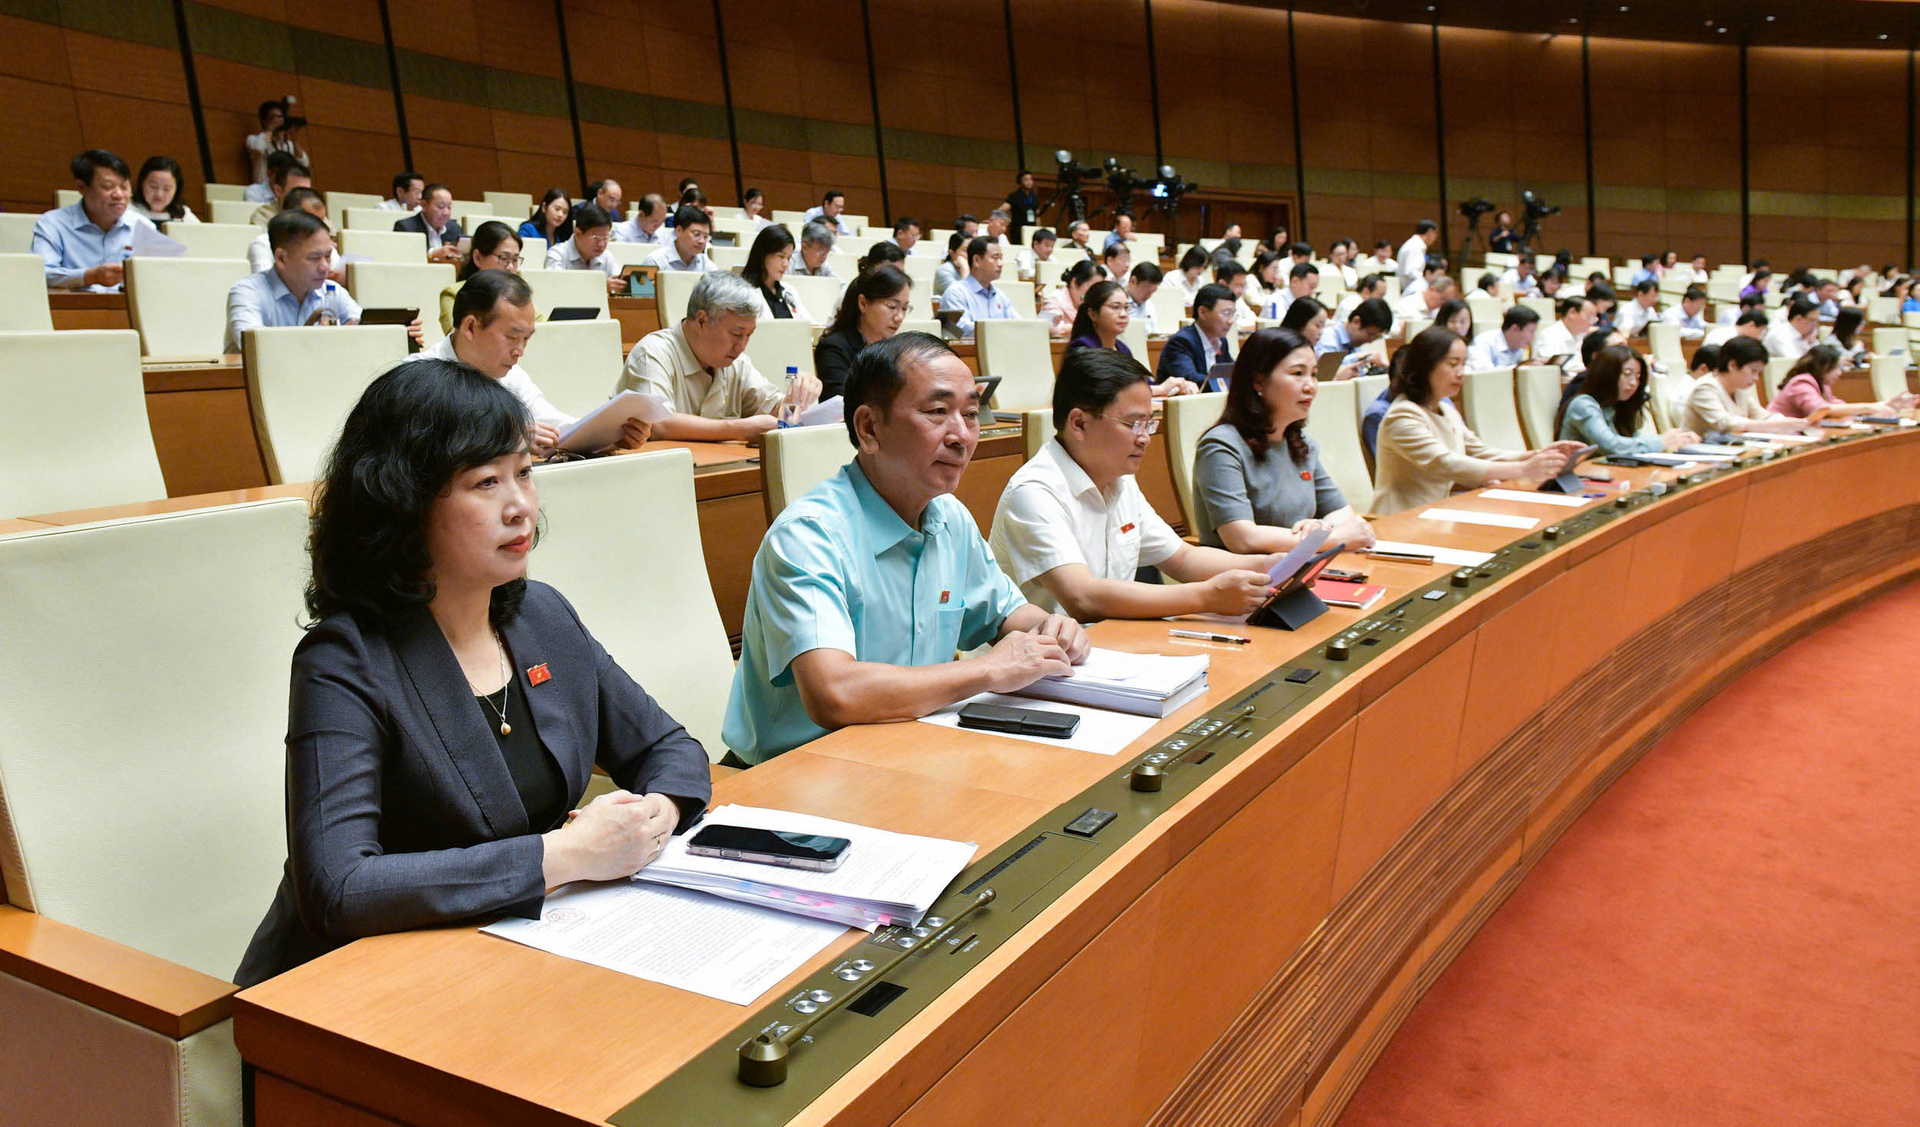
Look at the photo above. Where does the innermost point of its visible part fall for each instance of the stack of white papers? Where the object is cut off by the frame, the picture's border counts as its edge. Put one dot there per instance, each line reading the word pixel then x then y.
pixel 1472 516
pixel 829 411
pixel 1143 684
pixel 1446 557
pixel 600 427
pixel 1529 498
pixel 884 878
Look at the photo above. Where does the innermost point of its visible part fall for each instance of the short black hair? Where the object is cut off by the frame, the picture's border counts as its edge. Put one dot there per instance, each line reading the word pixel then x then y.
pixel 1646 285
pixel 297 196
pixel 1091 379
pixel 1042 233
pixel 1518 317
pixel 1694 293
pixel 978 248
pixel 1301 250
pixel 291 228
pixel 1801 307
pixel 876 377
pixel 1148 273
pixel 901 224
pixel 1373 313
pixel 269 106
pixel 484 291
pixel 1210 295
pixel 687 216
pixel 1226 270
pixel 1424 226
pixel 427 192
pixel 589 216
pixel 1368 281
pixel 291 168
pixel 1572 303
pixel 402 179
pixel 412 430
pixel 86 164
pixel 1649 259
pixel 1304 270
pixel 1706 356
pixel 1738 352
pixel 833 194
pixel 1753 317
pixel 1433 262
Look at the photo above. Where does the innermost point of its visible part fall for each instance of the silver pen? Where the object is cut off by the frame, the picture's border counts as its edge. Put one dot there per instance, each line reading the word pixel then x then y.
pixel 1208 636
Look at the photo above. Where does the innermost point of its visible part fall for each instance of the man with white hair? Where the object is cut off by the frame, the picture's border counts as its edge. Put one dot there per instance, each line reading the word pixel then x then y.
pixel 701 369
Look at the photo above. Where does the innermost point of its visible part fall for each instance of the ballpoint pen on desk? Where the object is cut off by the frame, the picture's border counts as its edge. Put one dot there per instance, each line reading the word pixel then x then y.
pixel 1210 636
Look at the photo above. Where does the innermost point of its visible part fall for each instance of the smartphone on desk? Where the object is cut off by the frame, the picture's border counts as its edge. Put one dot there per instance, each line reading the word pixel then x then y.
pixel 770 847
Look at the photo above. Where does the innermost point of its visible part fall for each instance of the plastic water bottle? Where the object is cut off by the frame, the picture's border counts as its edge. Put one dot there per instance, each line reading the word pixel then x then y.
pixel 790 414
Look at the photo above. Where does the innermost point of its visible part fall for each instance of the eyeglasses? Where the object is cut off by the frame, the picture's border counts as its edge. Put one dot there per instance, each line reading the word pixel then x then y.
pixel 507 261
pixel 1141 428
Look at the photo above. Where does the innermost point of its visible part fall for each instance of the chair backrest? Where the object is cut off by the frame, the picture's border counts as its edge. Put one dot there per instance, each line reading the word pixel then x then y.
pixel 510 203
pixel 158 648
pixel 1889 376
pixel 179 305
pixel 385 285
pixel 366 218
pixel 795 459
pixel 577 289
pixel 1036 430
pixel 575 363
pixel 302 382
pixel 213 240
pixel 339 202
pixel 1663 341
pixel 1501 260
pixel 1135 338
pixel 227 192
pixel 1486 311
pixel 929 326
pixel 1169 308
pixel 1539 388
pixel 232 211
pixel 792 220
pixel 1890 341
pixel 630 254
pixel 1048 273
pixel 23 294
pixel 1883 310
pixel 1019 354
pixel 777 344
pixel 16 233
pixel 532 247
pixel 728 258
pixel 399 248
pixel 75 434
pixel 672 289
pixel 622 543
pixel 1367 389
pixel 1187 417
pixel 821 295
pixel 1020 296
pixel 1490 411
pixel 1658 399
pixel 1774 376
pixel 1334 426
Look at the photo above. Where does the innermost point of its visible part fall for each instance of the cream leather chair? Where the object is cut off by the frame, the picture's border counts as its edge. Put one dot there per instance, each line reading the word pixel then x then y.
pixel 795 459
pixel 415 285
pixel 302 382
pixel 470 221
pixel 397 248
pixel 822 295
pixel 794 220
pixel 1334 426
pixel 510 203
pixel 1773 377
pixel 187 622
pixel 1169 309
pixel 1490 411
pixel 339 202
pixel 1539 389
pixel 23 294
pixel 929 326
pixel 75 434
pixel 577 289
pixel 1048 273
pixel 213 240
pixel 628 254
pixel 179 305
pixel 1890 342
pixel 532 249
pixel 1186 418
pixel 575 363
pixel 366 219
pixel 469 207
pixel 1889 376
pixel 1020 355
pixel 1036 430
pixel 1486 311
pixel 778 344
pixel 226 191
pixel 622 543
pixel 1020 296
pixel 1659 400
pixel 728 258
pixel 16 233
pixel 1663 341
pixel 1135 338
pixel 233 211
pixel 1503 261
pixel 1883 310
pixel 672 289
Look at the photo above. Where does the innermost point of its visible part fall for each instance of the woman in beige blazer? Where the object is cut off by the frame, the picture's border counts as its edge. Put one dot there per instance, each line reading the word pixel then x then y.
pixel 1425 450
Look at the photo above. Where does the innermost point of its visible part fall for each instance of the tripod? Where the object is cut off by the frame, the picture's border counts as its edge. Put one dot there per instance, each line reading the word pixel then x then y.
pixel 1067 197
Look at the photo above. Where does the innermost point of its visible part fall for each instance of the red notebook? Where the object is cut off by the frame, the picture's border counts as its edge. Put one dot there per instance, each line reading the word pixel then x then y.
pixel 1359 596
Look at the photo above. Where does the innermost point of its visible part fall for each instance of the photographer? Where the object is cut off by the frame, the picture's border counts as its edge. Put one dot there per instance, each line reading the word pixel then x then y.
pixel 277 126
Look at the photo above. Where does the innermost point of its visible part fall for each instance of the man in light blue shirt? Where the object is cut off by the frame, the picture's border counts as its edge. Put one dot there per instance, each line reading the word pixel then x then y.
pixel 295 291
pixel 864 588
pixel 1506 346
pixel 85 243
pixel 973 297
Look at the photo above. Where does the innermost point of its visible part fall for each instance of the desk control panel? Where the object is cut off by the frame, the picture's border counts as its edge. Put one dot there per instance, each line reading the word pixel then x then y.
pixel 776 1063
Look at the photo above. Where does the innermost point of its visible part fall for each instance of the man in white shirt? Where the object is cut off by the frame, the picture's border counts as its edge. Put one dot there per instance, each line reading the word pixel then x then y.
pixel 688 250
pixel 1520 279
pixel 831 205
pixel 1381 260
pixel 274 137
pixel 493 319
pixel 1412 258
pixel 701 369
pixel 1689 316
pixel 647 225
pixel 587 249
pixel 1563 337
pixel 1072 527
pixel 1750 323
pixel 1118 259
pixel 1030 258
pixel 974 298
pixel 816 242
pixel 1506 346
pixel 283 175
pixel 1433 267
pixel 906 233
pixel 407 188
pixel 260 251
pixel 1633 318
pixel 1371 286
pixel 1423 303
pixel 1792 336
pixel 1302 280
pixel 1141 284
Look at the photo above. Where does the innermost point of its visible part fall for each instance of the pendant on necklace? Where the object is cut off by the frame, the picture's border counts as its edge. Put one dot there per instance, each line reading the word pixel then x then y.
pixel 506 729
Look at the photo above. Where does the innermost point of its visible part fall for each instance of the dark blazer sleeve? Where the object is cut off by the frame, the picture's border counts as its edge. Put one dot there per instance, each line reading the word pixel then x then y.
pixel 833 363
pixel 412 223
pixel 1181 358
pixel 454 233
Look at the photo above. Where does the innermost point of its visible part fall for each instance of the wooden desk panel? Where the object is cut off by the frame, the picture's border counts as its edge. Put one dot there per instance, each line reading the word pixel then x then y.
pixel 89 310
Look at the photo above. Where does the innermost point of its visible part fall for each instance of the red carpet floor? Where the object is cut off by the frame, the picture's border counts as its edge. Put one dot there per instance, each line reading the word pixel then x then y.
pixel 1730 935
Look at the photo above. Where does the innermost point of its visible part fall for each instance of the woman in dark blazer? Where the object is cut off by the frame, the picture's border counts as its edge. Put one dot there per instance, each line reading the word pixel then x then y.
pixel 445 712
pixel 874 306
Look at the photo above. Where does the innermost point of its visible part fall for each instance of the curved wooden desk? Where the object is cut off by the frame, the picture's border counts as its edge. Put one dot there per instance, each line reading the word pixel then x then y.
pixel 1244 957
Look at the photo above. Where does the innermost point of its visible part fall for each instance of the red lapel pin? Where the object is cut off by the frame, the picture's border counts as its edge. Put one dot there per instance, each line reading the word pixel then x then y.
pixel 943 597
pixel 538 675
pixel 1127 527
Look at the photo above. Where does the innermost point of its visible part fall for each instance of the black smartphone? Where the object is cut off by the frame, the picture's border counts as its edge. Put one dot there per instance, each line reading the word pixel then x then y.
pixel 770 847
pixel 1340 576
pixel 1020 721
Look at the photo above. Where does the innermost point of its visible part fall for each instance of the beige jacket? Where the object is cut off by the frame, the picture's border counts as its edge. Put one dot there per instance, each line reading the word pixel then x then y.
pixel 1424 455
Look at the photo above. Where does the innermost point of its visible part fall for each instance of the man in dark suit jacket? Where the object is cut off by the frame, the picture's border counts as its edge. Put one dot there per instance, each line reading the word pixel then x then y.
pixel 435 221
pixel 1196 348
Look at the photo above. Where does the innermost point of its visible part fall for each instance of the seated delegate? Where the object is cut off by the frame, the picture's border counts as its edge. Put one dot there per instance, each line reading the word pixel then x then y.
pixel 494 246
pixel 586 248
pixel 700 367
pixel 864 588
pixel 1072 527
pixel 1725 402
pixel 1192 352
pixel 767 263
pixel 85 244
pixel 435 220
pixel 260 250
pixel 446 712
pixel 296 290
pixel 1605 408
pixel 1258 484
pixel 1426 451
pixel 1809 388
pixel 873 309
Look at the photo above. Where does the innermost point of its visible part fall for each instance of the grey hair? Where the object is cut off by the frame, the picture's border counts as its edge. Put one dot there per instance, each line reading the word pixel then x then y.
pixel 722 291
pixel 817 234
pixel 1000 213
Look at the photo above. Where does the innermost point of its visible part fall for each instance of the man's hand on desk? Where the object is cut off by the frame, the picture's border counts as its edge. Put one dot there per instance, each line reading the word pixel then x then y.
pixel 751 427
pixel 109 274
pixel 1066 629
pixel 1238 592
pixel 1025 656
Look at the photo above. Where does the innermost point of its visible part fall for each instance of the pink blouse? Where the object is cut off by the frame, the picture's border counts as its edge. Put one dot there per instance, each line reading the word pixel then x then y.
pixel 1059 311
pixel 1802 396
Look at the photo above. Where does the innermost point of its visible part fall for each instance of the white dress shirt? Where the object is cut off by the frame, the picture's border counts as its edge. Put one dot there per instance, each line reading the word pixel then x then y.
pixel 1691 328
pixel 260 255
pixel 1720 334
pixel 1518 286
pixel 1412 260
pixel 516 380
pixel 1051 514
pixel 1555 339
pixel 565 255
pixel 396 205
pixel 1783 339
pixel 1489 350
pixel 1143 314
pixel 1632 318
pixel 629 231
pixel 1413 307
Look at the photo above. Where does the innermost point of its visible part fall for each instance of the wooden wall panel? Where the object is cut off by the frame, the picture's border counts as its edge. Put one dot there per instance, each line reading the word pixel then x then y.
pixel 945 105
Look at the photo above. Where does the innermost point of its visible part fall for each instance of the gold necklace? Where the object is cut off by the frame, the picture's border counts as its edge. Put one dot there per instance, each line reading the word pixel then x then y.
pixel 506 687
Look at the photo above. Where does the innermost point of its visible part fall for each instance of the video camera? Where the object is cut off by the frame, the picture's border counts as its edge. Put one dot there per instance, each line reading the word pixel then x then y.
pixel 1476 207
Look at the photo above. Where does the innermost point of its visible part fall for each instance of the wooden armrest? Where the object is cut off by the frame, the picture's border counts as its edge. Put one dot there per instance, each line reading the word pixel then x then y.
pixel 147 990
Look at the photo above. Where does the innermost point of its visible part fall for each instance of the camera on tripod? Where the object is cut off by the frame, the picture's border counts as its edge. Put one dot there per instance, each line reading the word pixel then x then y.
pixel 1122 183
pixel 1169 187
pixel 1537 208
pixel 1474 208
